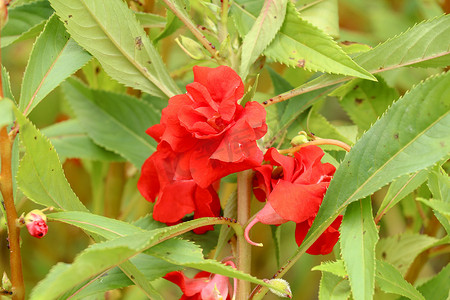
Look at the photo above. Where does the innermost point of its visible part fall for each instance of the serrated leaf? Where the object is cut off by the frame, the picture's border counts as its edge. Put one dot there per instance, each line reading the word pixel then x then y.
pixel 72 141
pixel 6 84
pixel 322 14
pixel 438 205
pixel 172 25
pixel 114 121
pixel 119 43
pixel 333 287
pixel 391 281
pixel 401 250
pixel 25 22
pixel 263 31
pixel 414 127
pixel 54 57
pixel 424 45
pixel 103 226
pixel 439 185
pixel 437 288
pixel 359 236
pixel 41 177
pixel 300 44
pixel 149 20
pixel 400 188
pixel 367 101
pixel 334 267
pixel 101 257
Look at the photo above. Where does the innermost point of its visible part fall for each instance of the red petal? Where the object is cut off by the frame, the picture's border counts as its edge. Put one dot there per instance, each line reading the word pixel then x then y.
pixel 296 202
pixel 277 159
pixel 261 182
pixel 148 185
pixel 200 95
pixel 175 201
pixel 207 204
pixel 188 286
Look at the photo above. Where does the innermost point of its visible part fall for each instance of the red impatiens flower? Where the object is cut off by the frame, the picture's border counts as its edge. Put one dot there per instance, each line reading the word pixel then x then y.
pixel 294 188
pixel 204 285
pixel 203 136
pixel 36 222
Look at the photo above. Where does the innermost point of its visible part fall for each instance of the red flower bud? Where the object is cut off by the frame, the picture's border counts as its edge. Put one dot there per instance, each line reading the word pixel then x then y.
pixel 36 222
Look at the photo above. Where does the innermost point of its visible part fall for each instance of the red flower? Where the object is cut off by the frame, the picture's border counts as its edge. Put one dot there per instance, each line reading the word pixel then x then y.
pixel 294 188
pixel 36 224
pixel 203 136
pixel 204 285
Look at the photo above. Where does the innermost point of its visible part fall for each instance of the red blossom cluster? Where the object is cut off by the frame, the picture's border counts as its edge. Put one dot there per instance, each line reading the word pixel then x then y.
pixel 203 136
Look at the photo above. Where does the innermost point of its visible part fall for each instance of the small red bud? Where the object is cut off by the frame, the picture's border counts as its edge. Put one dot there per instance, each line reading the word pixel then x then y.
pixel 36 222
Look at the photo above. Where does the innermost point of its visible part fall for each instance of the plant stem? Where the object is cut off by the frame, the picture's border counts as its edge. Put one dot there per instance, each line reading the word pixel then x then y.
pixel 202 39
pixel 223 30
pixel 6 186
pixel 244 195
pixel 317 142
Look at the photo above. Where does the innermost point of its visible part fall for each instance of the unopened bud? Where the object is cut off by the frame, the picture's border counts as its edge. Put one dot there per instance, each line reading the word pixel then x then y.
pixel 190 47
pixel 6 283
pixel 279 285
pixel 299 139
pixel 36 222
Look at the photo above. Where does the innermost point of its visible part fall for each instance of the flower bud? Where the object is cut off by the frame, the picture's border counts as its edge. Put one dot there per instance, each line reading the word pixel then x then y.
pixel 6 283
pixel 280 284
pixel 190 47
pixel 36 222
pixel 299 139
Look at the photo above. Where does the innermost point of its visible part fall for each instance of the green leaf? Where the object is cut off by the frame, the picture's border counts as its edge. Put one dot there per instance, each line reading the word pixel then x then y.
pixel 401 250
pixel 366 101
pixel 400 188
pixel 439 185
pixel 72 141
pixel 300 44
pixel 263 31
pixel 114 121
pixel 322 14
pixel 172 25
pixel 25 22
pixel 97 78
pixel 118 41
pixel 414 127
pixel 359 236
pixel 437 288
pixel 391 281
pixel 41 177
pixel 6 112
pixel 103 226
pixel 438 205
pixel 149 20
pixel 6 84
pixel 54 57
pixel 334 267
pixel 333 287
pixel 425 44
pixel 101 257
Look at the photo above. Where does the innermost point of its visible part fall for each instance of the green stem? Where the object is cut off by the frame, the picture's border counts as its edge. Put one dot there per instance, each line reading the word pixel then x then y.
pixel 243 215
pixel 223 30
pixel 114 189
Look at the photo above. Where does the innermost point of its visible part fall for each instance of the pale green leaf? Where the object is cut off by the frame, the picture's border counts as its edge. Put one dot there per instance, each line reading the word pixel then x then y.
pixel 111 33
pixel 359 236
pixel 172 25
pixel 97 78
pixel 140 280
pixel 400 188
pixel 54 57
pixel 25 22
pixel 438 205
pixel 401 250
pixel 6 112
pixel 263 31
pixel 149 20
pixel 101 257
pixel 114 121
pixel 322 14
pixel 439 184
pixel 41 177
pixel 6 84
pixel 333 287
pixel 425 45
pixel 366 101
pixel 437 288
pixel 72 141
pixel 334 267
pixel 391 281
pixel 410 136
